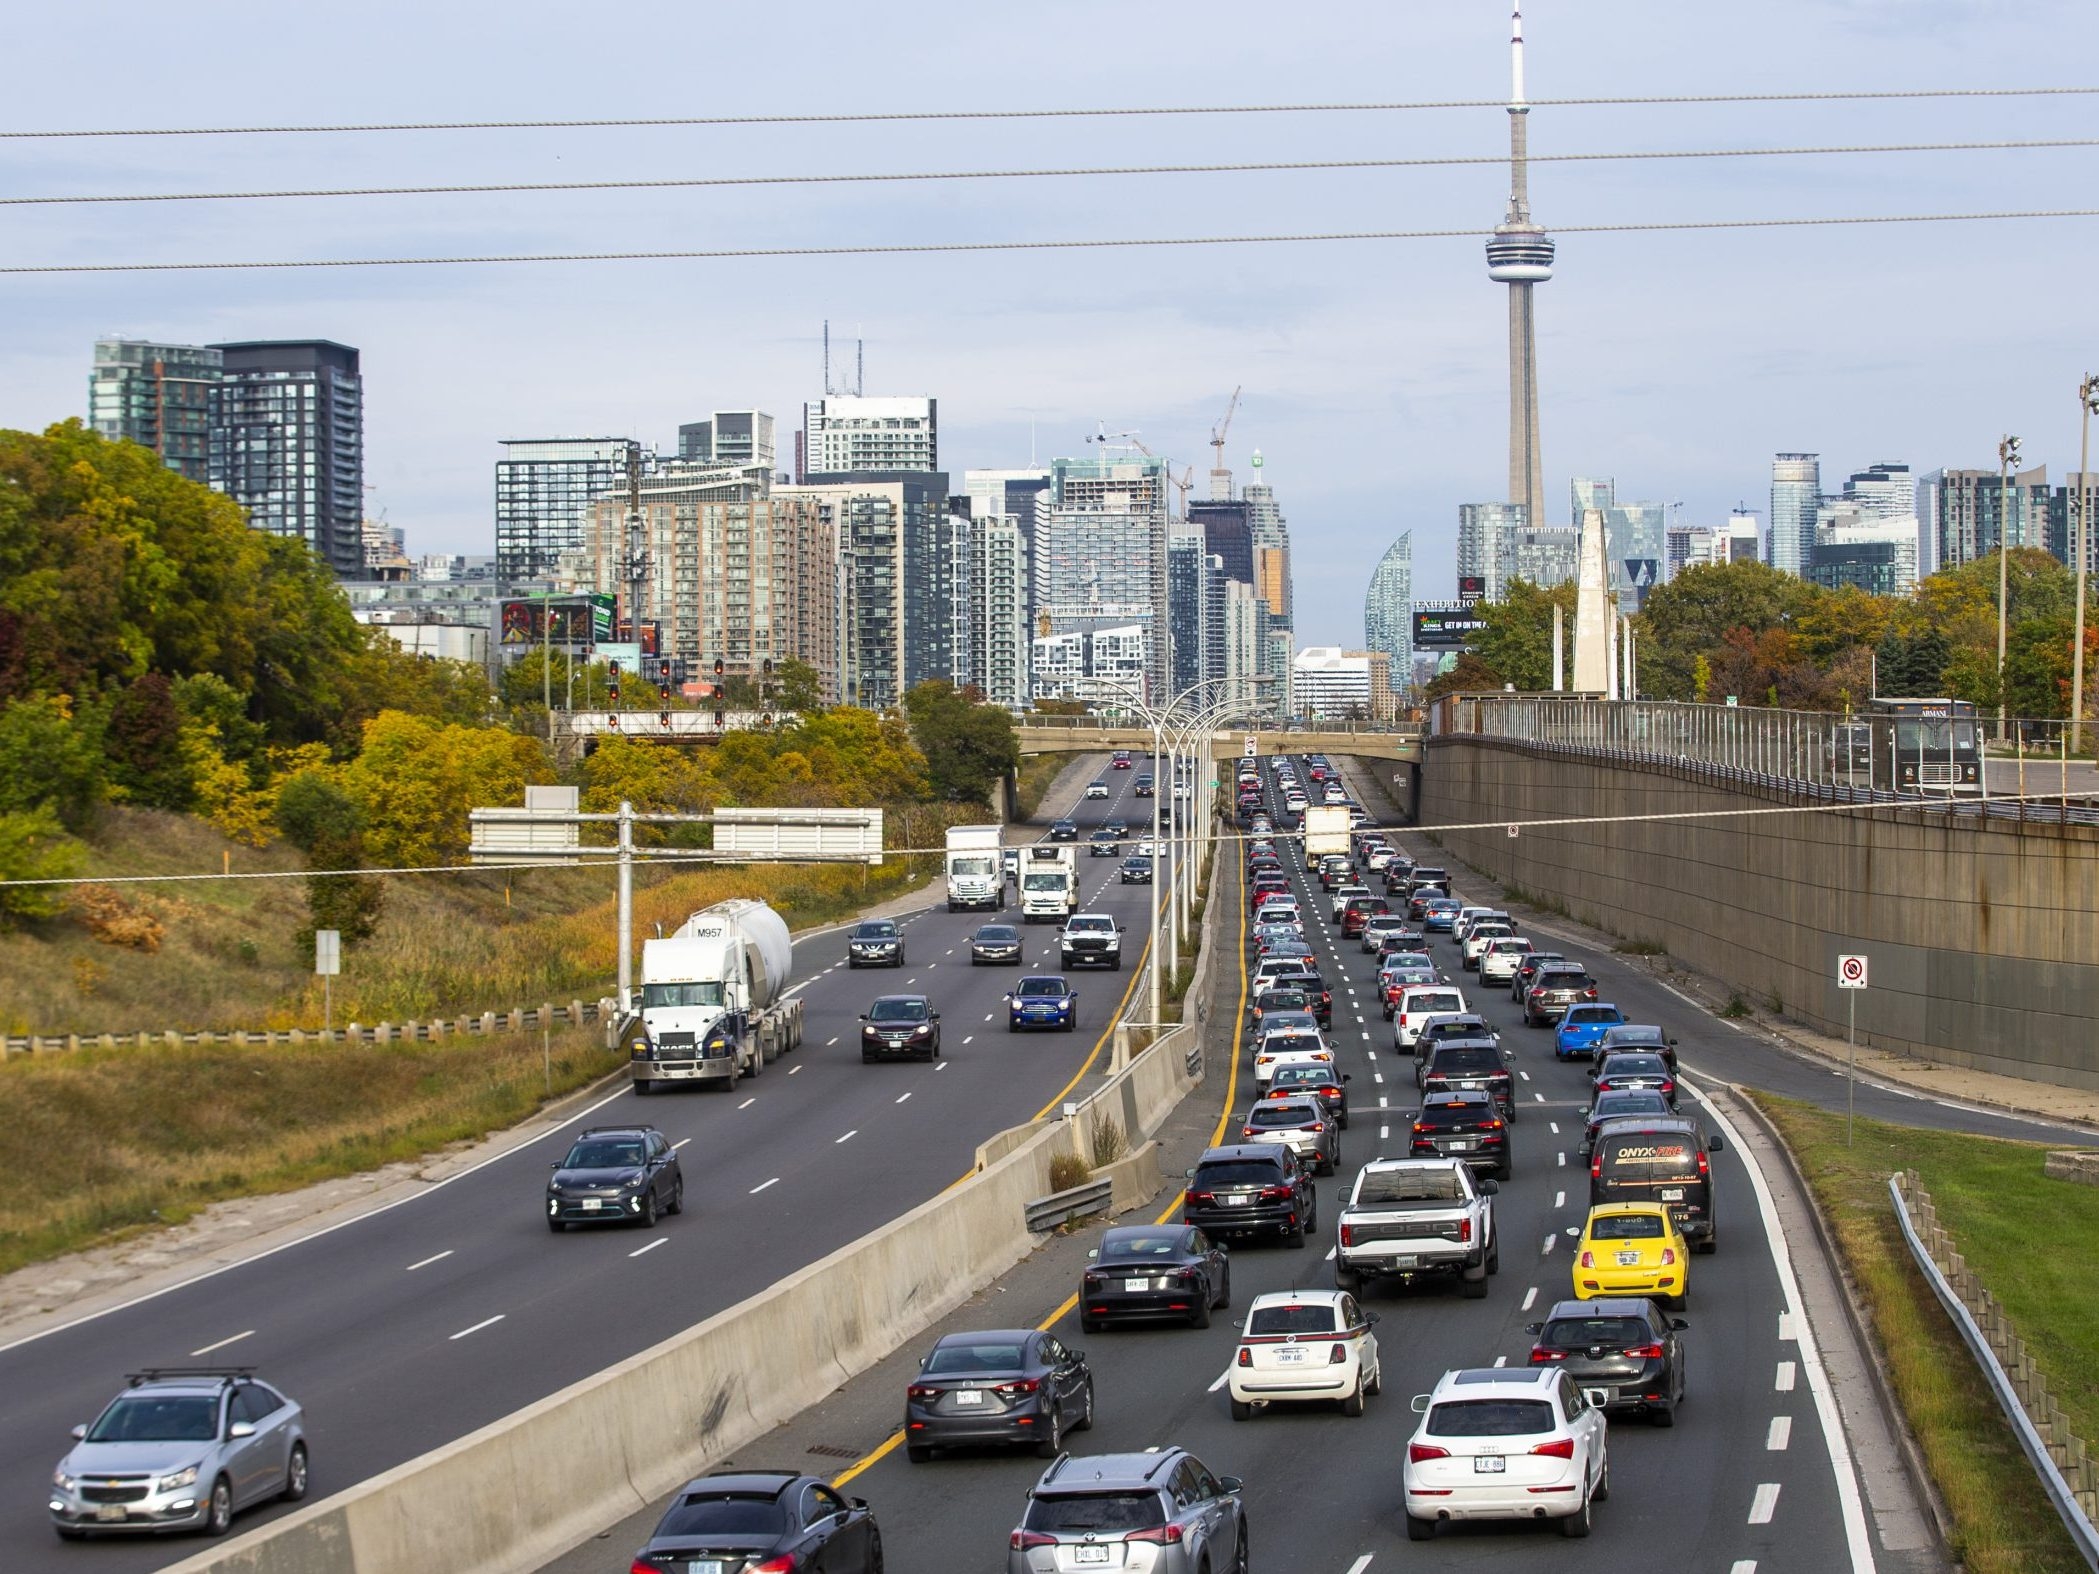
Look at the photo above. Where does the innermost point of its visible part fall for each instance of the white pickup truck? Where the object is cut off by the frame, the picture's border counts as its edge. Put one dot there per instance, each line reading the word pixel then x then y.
pixel 1408 1217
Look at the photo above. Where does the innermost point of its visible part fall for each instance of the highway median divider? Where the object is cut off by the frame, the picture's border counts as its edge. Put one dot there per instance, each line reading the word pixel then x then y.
pixel 521 1490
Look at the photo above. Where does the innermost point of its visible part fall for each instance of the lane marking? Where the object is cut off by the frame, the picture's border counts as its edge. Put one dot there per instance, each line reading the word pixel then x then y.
pixel 661 1240
pixel 1786 1373
pixel 1361 1563
pixel 427 1261
pixel 1786 1335
pixel 486 1322
pixel 680 1143
pixel 848 1137
pixel 1530 1298
pixel 746 1104
pixel 901 1097
pixel 1743 1566
pixel 763 1184
pixel 1331 1252
pixel 943 1066
pixel 1765 1504
pixel 791 1070
pixel 1383 1132
pixel 1550 1242
pixel 1223 1377
pixel 1381 1101
pixel 1563 1161
pixel 829 1042
pixel 236 1339
pixel 1555 1125
pixel 1559 1199
pixel 971 1039
pixel 1781 1433
pixel 1501 1360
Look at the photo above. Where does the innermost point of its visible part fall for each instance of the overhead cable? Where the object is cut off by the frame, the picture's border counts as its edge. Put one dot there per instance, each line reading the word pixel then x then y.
pixel 1289 166
pixel 907 116
pixel 942 247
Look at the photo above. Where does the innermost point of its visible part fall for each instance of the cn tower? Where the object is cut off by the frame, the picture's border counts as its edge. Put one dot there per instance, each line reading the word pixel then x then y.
pixel 1520 255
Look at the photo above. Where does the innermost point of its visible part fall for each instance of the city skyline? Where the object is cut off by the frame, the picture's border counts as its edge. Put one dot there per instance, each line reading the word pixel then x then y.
pixel 1678 363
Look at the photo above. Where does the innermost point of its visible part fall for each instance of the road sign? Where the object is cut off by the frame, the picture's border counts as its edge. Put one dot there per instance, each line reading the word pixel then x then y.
pixel 1851 972
pixel 1251 751
pixel 1512 831
pixel 327 952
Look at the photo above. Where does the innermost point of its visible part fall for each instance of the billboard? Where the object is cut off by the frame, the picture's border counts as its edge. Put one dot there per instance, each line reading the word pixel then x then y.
pixel 561 620
pixel 1445 627
pixel 1471 588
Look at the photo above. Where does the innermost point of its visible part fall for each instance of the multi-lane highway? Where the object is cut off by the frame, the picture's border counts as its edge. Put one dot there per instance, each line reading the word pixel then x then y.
pixel 1745 1480
pixel 411 1327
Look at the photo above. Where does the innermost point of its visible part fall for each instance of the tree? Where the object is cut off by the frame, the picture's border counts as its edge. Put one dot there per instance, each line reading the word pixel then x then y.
pixel 797 686
pixel 327 824
pixel 1468 675
pixel 143 742
pixel 968 746
pixel 1701 677
pixel 34 846
pixel 1695 612
pixel 1517 641
pixel 415 780
pixel 51 757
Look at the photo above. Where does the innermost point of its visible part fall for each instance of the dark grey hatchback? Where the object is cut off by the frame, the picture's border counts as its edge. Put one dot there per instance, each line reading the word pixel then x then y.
pixel 1628 1348
pixel 735 1520
pixel 1004 1385
pixel 615 1175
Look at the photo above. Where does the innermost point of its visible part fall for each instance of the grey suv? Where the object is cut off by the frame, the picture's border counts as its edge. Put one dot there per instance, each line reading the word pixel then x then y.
pixel 1110 1510
pixel 181 1448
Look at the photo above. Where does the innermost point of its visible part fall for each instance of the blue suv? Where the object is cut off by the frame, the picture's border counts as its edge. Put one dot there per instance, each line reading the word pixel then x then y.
pixel 1042 1001
pixel 1582 1029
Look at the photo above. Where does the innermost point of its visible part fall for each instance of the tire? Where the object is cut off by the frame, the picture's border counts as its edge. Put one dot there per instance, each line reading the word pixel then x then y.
pixel 1352 1405
pixel 1239 1562
pixel 1070 1023
pixel 218 1516
pixel 1603 1486
pixel 1295 1237
pixel 874 1551
pixel 641 1089
pixel 1706 1247
pixel 677 1202
pixel 1507 1169
pixel 70 1533
pixel 556 1225
pixel 1241 1410
pixel 1115 966
pixel 1420 1529
pixel 1224 1295
pixel 1053 1445
pixel 1347 1280
pixel 1200 1317
pixel 1576 1525
pixel 1474 1288
pixel 866 1059
pixel 647 1217
pixel 1376 1384
pixel 916 1454
pixel 1085 1420
pixel 1663 1415
pixel 1494 1257
pixel 1090 1325
pixel 297 1475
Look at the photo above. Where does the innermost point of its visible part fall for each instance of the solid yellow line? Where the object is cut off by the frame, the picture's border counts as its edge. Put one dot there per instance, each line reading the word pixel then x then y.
pixel 869 1460
pixel 1102 1042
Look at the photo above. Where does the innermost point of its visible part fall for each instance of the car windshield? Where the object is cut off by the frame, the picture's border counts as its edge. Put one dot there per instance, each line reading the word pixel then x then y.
pixel 1281 1000
pixel 971 865
pixel 1041 988
pixel 1090 925
pixel 1579 1015
pixel 1465 1060
pixel 998 934
pixel 158 1418
pixel 1454 1113
pixel 1102 1512
pixel 726 1515
pixel 1626 1227
pixel 1314 1319
pixel 970 1356
pixel 1506 945
pixel 1575 1332
pixel 701 993
pixel 1121 1248
pixel 1234 1172
pixel 1424 1185
pixel 1291 1112
pixel 1563 979
pixel 897 1011
pixel 1636 1066
pixel 1489 1418
pixel 603 1156
pixel 1292 1044
pixel 881 930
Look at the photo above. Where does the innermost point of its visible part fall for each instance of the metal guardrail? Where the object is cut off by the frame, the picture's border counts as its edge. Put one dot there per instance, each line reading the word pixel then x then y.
pixel 1061 1207
pixel 2053 1482
pixel 516 1020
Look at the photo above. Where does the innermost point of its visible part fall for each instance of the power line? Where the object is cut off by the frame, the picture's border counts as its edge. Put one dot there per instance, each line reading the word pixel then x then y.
pixel 937 248
pixel 1295 165
pixel 1042 114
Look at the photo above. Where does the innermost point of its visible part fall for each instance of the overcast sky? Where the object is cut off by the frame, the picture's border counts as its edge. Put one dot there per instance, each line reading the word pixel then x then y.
pixel 1374 372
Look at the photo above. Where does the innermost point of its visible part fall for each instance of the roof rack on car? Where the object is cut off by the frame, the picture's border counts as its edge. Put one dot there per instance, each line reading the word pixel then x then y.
pixel 154 1374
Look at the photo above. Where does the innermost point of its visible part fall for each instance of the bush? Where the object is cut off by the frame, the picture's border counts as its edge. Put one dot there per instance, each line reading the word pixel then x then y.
pixel 1109 1144
pixel 114 921
pixel 33 846
pixel 1067 1170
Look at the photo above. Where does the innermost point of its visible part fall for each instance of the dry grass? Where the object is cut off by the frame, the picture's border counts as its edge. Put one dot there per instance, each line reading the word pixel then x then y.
pixel 1067 1170
pixel 1036 775
pixel 2003 1523
pixel 98 1144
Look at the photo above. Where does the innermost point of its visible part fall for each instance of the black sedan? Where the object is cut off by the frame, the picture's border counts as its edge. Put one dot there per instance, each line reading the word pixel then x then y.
pixel 1627 1348
pixel 1154 1270
pixel 1104 843
pixel 765 1519
pixel 1635 1069
pixel 995 943
pixel 615 1174
pixel 875 942
pixel 1005 1385
pixel 902 1026
pixel 1638 1035
pixel 1064 831
pixel 1137 871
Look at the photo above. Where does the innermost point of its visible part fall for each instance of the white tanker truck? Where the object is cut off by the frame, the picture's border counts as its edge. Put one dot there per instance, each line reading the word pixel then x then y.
pixel 712 1002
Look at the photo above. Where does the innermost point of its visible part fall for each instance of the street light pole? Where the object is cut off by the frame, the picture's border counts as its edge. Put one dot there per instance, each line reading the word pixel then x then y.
pixel 2007 462
pixel 2088 401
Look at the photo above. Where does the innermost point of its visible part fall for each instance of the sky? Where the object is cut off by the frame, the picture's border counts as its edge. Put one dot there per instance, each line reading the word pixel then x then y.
pixel 1374 372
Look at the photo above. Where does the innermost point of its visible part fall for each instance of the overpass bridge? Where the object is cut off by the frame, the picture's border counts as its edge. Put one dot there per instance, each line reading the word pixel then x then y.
pixel 1086 734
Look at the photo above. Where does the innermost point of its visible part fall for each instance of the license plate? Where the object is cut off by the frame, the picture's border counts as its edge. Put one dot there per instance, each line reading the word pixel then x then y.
pixel 1290 1355
pixel 110 1511
pixel 1460 1147
pixel 1489 1464
pixel 1628 1259
pixel 1136 1284
pixel 968 1397
pixel 706 1566
pixel 1672 1194
pixel 593 1204
pixel 1084 1554
pixel 1239 1200
pixel 1406 1262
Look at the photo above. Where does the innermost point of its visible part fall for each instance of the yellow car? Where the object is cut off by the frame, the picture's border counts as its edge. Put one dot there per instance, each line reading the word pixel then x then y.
pixel 1634 1249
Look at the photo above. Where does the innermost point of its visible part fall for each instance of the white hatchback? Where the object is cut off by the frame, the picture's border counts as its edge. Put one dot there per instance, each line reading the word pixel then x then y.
pixel 1504 954
pixel 1496 1443
pixel 1418 1004
pixel 1301 1345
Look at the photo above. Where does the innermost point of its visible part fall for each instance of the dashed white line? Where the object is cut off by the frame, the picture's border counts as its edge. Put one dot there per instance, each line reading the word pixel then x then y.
pixel 1381 1103
pixel 1501 1360
pixel 848 1137
pixel 1563 1161
pixel 236 1339
pixel 1360 1564
pixel 943 1065
pixel 1377 1076
pixel 1383 1132
pixel 426 1262
pixel 987 1016
pixel 1539 1097
pixel 1781 1433
pixel 1743 1566
pixel 1525 1075
pixel 829 1042
pixel 1550 1241
pixel 681 1143
pixel 1555 1125
pixel 791 1070
pixel 1530 1298
pixel 661 1240
pixel 1764 1504
pixel 1223 1377
pixel 486 1322
pixel 1787 1371
pixel 1559 1199
pixel 746 1104
pixel 971 1039
pixel 1786 1335
pixel 763 1184
pixel 901 1097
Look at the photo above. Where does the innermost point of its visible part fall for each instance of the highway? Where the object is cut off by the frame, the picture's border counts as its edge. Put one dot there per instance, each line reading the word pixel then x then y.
pixel 1745 1480
pixel 411 1327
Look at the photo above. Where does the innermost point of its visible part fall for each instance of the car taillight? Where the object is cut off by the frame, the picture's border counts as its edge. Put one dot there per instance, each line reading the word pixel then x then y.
pixel 1596 1167
pixel 1023 1539
pixel 1247 1132
pixel 785 1563
pixel 1274 1193
pixel 923 1391
pixel 1422 1453
pixel 1558 1448
pixel 1348 1235
pixel 1704 1168
pixel 1026 1385
pixel 644 1566
pixel 1668 1087
pixel 1546 1357
pixel 1646 1352
pixel 1157 1535
pixel 1588 994
pixel 1465 1227
pixel 1246 1356
pixel 1668 1256
pixel 1318 1126
pixel 1201 1196
pixel 1420 1125
pixel 1490 1125
pixel 1340 1354
pixel 1588 1259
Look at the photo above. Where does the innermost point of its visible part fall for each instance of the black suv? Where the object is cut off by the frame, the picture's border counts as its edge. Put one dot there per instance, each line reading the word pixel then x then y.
pixel 875 942
pixel 1064 831
pixel 1256 1188
pixel 1464 1126
pixel 1470 1066
pixel 1627 1348
pixel 1319 999
pixel 772 1518
pixel 624 1174
pixel 1450 1027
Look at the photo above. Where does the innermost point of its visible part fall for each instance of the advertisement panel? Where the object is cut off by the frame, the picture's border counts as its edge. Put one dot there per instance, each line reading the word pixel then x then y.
pixel 1444 627
pixel 1472 588
pixel 566 620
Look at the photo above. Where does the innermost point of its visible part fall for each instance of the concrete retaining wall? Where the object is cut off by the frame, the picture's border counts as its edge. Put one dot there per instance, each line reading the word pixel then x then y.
pixel 1983 938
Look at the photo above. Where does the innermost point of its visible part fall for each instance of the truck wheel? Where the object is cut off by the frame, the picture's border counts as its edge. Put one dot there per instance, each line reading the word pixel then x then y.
pixel 1473 1283
pixel 641 1089
pixel 1115 966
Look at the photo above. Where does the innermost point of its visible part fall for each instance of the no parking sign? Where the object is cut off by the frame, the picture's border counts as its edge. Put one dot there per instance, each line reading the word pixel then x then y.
pixel 1851 972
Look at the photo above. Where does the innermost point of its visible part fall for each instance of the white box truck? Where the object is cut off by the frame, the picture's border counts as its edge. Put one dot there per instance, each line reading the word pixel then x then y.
pixel 1049 881
pixel 1326 831
pixel 713 1004
pixel 975 876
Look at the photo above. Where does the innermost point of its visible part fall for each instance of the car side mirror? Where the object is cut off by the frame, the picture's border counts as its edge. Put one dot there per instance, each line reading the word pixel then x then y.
pixel 858 1502
pixel 1230 1486
pixel 1534 1328
pixel 1345 1077
pixel 1715 1145
pixel 555 1165
pixel 241 1429
pixel 79 1433
pixel 863 1016
pixel 1672 1043
pixel 1597 1397
pixel 936 1016
pixel 1093 1254
pixel 922 1360
pixel 1419 1405
pixel 1371 1317
pixel 1678 1324
pixel 1188 1174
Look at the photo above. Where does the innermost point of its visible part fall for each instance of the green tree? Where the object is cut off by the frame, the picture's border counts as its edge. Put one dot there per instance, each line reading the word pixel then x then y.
pixel 325 822
pixel 797 686
pixel 51 757
pixel 143 743
pixel 1701 677
pixel 1517 641
pixel 968 746
pixel 1695 612
pixel 1468 675
pixel 415 780
pixel 34 846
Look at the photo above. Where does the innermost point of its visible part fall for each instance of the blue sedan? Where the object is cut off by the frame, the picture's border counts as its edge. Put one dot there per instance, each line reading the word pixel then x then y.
pixel 1582 1028
pixel 1042 1001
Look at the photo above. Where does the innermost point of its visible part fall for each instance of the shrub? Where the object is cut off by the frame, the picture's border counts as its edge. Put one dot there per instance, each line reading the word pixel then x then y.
pixel 1109 1144
pixel 113 921
pixel 1067 1170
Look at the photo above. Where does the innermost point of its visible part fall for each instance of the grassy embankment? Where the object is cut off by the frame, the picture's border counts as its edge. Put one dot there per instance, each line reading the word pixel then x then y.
pixel 102 1143
pixel 2029 1239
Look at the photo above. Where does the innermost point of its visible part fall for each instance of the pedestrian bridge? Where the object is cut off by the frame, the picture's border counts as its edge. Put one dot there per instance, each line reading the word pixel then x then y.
pixel 1094 734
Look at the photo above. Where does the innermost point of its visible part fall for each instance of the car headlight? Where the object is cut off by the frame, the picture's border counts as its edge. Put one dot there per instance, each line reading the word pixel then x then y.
pixel 921 1031
pixel 61 1480
pixel 176 1482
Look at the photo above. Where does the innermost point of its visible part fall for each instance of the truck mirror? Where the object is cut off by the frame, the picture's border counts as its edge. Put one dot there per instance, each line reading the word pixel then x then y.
pixel 1489 1187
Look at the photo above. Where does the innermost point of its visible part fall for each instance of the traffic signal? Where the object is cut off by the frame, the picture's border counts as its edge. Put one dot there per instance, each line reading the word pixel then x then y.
pixel 664 717
pixel 612 684
pixel 720 667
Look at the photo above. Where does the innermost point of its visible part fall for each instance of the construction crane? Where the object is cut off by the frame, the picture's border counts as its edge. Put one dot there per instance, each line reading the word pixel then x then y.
pixel 1220 477
pixel 1186 481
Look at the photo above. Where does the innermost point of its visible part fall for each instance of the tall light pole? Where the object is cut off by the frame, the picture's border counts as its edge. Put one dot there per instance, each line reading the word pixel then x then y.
pixel 2007 462
pixel 2088 401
